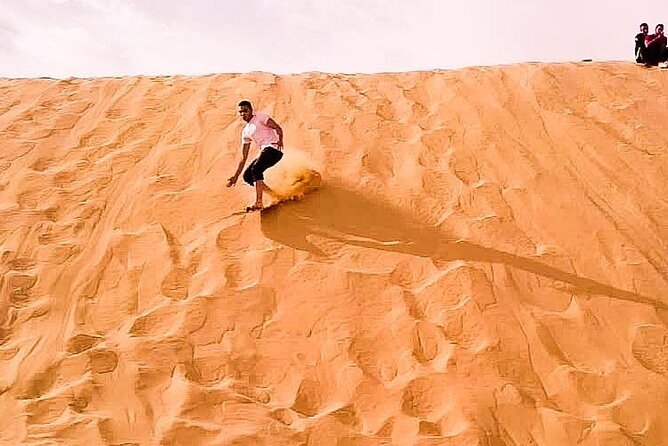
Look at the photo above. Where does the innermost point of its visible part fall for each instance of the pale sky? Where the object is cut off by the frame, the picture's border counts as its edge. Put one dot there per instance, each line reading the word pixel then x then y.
pixel 86 38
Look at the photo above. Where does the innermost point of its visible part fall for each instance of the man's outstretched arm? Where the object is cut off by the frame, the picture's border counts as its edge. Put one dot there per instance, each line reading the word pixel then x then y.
pixel 650 39
pixel 233 179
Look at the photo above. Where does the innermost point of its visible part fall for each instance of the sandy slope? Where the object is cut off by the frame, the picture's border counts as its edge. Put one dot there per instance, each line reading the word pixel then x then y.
pixel 485 263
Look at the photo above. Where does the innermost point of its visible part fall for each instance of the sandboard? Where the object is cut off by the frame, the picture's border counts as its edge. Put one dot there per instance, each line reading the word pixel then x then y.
pixel 274 203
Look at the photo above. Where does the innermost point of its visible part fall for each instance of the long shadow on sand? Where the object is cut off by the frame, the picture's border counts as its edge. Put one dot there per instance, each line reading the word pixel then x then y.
pixel 351 218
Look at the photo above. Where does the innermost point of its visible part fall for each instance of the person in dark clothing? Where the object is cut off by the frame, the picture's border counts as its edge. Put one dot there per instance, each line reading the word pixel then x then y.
pixel 655 46
pixel 640 43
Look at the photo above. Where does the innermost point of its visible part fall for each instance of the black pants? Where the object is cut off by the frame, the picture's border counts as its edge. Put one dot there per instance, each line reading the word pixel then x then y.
pixel 255 170
pixel 655 54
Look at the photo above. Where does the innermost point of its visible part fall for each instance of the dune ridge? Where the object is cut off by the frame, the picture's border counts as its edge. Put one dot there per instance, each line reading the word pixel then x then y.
pixel 485 261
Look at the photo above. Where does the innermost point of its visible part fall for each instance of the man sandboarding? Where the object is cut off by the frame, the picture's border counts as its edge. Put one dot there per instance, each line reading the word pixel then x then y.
pixel 268 136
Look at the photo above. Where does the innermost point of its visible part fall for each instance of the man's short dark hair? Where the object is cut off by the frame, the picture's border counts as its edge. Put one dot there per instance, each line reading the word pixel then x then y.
pixel 245 104
pixel 644 24
pixel 660 24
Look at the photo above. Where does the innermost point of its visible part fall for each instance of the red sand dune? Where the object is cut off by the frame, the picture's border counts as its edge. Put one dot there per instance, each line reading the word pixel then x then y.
pixel 485 262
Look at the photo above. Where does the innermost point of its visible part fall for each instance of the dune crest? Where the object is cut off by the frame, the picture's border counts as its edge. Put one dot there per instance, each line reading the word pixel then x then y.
pixel 484 260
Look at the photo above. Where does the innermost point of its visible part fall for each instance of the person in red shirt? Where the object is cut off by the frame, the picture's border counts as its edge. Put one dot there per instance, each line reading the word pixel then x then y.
pixel 655 46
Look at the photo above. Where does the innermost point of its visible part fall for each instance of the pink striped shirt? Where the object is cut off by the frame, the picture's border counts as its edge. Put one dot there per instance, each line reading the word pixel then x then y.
pixel 256 130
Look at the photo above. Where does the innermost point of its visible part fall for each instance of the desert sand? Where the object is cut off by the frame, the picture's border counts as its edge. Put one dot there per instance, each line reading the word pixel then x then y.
pixel 484 263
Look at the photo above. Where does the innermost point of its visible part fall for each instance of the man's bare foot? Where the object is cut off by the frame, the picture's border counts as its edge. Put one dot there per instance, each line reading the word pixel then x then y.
pixel 254 207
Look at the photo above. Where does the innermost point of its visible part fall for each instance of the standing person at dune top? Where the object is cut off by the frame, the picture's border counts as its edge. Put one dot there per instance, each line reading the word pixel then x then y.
pixel 268 136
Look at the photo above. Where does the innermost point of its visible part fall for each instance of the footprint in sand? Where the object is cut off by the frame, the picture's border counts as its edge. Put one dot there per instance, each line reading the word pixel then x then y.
pixel 103 361
pixel 39 383
pixel 428 341
pixel 424 397
pixel 20 264
pixel 82 342
pixel 20 286
pixel 175 284
pixel 42 164
pixel 114 113
pixel 650 348
pixel 283 415
pixel 158 321
pixel 309 399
